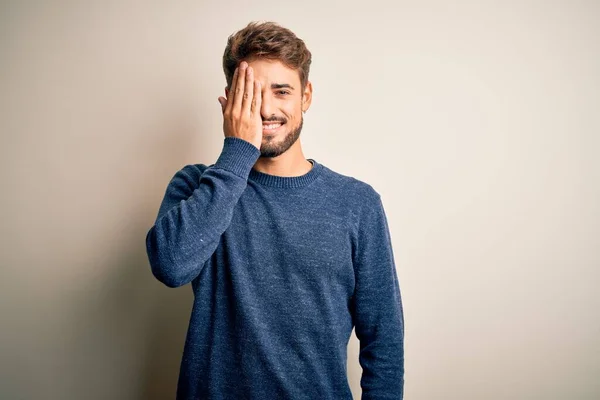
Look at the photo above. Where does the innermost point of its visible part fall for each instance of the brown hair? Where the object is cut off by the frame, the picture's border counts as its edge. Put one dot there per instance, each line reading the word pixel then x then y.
pixel 266 40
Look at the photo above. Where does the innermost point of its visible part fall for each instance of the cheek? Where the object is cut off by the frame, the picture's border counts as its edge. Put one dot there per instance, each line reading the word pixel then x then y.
pixel 293 111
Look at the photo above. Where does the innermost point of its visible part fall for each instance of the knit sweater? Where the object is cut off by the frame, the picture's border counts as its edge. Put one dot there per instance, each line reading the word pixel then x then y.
pixel 282 269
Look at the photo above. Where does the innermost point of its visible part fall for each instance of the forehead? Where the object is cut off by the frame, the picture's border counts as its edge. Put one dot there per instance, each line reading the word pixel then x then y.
pixel 274 71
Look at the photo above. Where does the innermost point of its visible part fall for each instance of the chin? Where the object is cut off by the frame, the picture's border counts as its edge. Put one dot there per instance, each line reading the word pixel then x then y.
pixel 286 137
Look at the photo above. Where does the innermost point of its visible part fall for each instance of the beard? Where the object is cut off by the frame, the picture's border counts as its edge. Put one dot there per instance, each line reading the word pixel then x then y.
pixel 273 148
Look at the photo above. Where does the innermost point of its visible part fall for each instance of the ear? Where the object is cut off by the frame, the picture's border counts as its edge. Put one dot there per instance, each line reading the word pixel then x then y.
pixel 307 96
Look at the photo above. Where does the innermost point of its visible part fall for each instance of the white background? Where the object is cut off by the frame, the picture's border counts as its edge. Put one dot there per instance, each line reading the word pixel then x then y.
pixel 478 122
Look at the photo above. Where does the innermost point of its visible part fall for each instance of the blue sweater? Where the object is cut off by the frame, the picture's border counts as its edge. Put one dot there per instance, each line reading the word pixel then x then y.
pixel 282 269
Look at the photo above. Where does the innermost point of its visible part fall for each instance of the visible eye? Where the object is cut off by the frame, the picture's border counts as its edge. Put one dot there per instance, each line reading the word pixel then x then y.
pixel 283 92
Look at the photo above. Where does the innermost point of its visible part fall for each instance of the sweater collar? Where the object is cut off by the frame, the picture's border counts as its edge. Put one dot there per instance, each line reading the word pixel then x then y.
pixel 287 181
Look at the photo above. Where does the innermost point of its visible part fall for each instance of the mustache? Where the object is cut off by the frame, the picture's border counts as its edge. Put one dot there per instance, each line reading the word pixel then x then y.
pixel 274 119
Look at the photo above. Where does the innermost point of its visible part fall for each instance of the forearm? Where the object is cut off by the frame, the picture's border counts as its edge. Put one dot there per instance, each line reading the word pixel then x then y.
pixel 194 215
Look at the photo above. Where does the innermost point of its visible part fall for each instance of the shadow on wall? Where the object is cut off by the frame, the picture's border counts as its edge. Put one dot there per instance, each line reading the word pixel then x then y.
pixel 129 333
pixel 136 326
pixel 165 324
pixel 165 338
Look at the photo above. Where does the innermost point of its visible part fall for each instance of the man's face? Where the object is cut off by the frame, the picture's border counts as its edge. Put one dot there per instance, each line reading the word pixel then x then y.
pixel 282 103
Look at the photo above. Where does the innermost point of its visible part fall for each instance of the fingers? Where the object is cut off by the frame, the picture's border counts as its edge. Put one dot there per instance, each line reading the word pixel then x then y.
pixel 257 98
pixel 240 86
pixel 229 104
pixel 245 95
pixel 248 91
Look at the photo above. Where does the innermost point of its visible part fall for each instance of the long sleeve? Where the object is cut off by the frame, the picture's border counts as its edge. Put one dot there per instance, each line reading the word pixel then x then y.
pixel 377 307
pixel 197 208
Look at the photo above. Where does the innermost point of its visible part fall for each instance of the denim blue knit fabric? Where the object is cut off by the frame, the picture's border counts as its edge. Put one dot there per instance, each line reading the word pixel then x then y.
pixel 282 269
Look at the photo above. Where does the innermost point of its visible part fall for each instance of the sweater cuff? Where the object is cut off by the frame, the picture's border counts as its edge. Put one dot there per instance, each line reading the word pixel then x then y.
pixel 237 156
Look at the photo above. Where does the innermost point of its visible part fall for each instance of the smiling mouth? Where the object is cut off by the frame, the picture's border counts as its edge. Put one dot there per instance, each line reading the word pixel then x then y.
pixel 272 127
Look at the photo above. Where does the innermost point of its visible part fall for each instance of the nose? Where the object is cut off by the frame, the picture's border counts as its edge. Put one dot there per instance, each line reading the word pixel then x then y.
pixel 266 108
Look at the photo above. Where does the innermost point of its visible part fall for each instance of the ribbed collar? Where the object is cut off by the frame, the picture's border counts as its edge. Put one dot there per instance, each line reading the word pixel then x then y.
pixel 287 181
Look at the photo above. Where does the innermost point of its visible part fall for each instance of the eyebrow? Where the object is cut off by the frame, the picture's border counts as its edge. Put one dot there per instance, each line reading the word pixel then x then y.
pixel 281 86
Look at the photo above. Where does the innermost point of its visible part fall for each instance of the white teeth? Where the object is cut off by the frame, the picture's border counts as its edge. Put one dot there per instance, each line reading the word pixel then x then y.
pixel 272 126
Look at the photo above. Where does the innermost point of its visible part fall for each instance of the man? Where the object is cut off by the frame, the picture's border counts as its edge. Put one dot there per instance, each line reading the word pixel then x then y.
pixel 285 256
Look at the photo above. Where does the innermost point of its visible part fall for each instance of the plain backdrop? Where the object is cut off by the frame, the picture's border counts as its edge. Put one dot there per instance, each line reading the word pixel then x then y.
pixel 477 122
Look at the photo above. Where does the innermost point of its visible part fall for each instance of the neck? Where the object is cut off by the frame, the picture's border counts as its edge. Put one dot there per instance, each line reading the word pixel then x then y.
pixel 290 163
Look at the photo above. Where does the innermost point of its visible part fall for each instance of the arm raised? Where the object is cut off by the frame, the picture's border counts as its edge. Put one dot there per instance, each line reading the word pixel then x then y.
pixel 197 208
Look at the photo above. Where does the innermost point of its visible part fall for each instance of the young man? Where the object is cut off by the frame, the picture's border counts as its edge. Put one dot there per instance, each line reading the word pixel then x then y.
pixel 285 256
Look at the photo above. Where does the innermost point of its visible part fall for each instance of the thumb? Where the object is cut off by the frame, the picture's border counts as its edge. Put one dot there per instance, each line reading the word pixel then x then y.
pixel 223 103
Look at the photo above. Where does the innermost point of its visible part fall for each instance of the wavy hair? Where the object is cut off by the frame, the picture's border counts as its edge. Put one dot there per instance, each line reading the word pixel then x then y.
pixel 266 40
